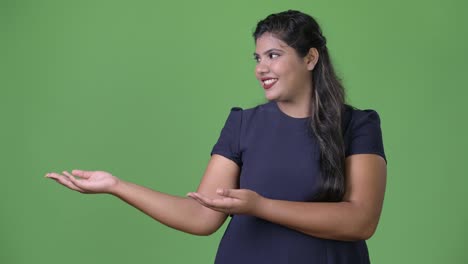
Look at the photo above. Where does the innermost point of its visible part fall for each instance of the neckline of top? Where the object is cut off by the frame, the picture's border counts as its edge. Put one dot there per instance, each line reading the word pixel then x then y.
pixel 275 105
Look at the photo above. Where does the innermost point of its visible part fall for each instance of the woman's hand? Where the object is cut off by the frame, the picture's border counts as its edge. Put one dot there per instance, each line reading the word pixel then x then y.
pixel 86 181
pixel 233 201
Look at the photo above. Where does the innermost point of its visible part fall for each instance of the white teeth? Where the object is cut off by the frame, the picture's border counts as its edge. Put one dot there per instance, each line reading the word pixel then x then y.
pixel 270 81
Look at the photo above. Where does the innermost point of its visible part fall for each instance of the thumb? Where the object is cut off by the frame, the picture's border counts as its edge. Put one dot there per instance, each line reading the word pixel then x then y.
pixel 233 193
pixel 82 174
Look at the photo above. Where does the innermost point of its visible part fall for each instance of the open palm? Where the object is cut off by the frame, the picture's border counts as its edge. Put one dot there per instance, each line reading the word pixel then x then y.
pixel 86 181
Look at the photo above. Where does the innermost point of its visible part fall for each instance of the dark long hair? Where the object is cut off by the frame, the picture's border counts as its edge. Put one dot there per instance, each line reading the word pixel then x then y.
pixel 301 32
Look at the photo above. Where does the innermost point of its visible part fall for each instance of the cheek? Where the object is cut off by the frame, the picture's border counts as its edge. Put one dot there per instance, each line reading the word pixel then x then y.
pixel 279 69
pixel 286 67
pixel 286 73
pixel 296 78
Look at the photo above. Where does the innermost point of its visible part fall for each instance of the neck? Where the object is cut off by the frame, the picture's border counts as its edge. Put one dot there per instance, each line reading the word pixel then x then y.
pixel 296 109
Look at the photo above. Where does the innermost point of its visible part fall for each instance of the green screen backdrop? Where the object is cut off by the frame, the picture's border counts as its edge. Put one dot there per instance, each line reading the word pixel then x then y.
pixel 142 89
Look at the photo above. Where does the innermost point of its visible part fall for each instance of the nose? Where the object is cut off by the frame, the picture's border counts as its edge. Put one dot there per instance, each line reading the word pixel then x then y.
pixel 261 69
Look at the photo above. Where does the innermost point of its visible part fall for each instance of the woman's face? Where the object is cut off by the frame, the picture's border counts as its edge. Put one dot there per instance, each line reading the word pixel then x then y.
pixel 283 75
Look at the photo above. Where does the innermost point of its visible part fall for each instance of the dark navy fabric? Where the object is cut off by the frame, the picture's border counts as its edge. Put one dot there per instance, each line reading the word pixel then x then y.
pixel 279 159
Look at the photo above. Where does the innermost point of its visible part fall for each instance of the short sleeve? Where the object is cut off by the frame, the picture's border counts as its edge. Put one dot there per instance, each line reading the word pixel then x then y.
pixel 228 144
pixel 364 135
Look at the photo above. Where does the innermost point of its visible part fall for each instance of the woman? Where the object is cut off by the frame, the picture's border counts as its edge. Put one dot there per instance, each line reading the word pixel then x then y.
pixel 302 176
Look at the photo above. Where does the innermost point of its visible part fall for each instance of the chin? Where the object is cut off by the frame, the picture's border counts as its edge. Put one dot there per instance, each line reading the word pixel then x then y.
pixel 271 97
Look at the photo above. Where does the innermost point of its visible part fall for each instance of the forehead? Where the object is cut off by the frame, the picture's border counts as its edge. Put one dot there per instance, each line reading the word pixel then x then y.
pixel 268 41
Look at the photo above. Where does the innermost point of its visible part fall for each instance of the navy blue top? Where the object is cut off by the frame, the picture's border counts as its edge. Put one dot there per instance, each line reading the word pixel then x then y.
pixel 279 159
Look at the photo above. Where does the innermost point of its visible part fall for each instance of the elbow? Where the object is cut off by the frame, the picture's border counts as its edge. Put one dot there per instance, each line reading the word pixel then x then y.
pixel 203 232
pixel 205 229
pixel 354 235
pixel 364 226
pixel 195 228
pixel 365 234
pixel 364 231
pixel 204 222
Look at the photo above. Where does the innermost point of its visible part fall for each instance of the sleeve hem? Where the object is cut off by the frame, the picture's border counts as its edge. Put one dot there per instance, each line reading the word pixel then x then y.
pixel 369 152
pixel 226 155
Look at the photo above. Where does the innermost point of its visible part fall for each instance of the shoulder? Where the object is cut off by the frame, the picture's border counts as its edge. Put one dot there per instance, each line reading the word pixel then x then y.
pixel 259 107
pixel 253 111
pixel 354 118
pixel 362 132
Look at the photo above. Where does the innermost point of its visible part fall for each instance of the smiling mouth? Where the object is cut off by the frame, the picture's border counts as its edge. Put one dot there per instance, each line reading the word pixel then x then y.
pixel 268 83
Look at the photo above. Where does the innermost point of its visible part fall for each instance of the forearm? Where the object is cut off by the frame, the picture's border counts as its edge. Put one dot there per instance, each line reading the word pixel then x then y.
pixel 340 221
pixel 181 213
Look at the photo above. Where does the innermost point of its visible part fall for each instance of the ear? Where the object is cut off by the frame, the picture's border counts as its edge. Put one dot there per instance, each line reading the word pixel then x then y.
pixel 311 58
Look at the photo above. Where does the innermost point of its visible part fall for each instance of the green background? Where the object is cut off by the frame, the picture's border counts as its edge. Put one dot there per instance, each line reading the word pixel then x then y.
pixel 142 89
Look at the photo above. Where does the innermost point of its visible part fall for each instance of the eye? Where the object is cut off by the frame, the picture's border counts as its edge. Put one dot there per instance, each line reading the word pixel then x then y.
pixel 273 55
pixel 256 59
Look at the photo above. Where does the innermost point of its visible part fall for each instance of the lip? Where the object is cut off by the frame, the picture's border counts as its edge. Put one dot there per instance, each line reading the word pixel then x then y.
pixel 268 86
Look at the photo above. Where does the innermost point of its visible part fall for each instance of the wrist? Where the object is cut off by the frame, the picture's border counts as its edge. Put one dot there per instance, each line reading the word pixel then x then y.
pixel 117 187
pixel 262 207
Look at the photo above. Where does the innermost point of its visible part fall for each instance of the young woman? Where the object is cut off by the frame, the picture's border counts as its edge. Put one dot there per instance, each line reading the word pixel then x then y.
pixel 302 176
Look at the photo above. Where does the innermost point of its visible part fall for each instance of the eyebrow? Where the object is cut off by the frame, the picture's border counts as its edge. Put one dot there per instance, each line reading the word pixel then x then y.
pixel 268 51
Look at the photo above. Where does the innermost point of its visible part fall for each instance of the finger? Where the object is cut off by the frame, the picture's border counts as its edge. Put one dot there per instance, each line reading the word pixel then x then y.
pixel 198 199
pixel 221 210
pixel 71 179
pixel 64 181
pixel 56 176
pixel 82 174
pixel 223 203
pixel 75 181
pixel 207 202
pixel 66 173
pixel 234 193
pixel 51 175
pixel 218 209
pixel 78 182
pixel 69 185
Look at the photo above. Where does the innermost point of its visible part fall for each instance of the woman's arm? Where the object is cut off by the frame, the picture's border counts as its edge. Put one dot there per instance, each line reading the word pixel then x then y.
pixel 355 218
pixel 177 212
